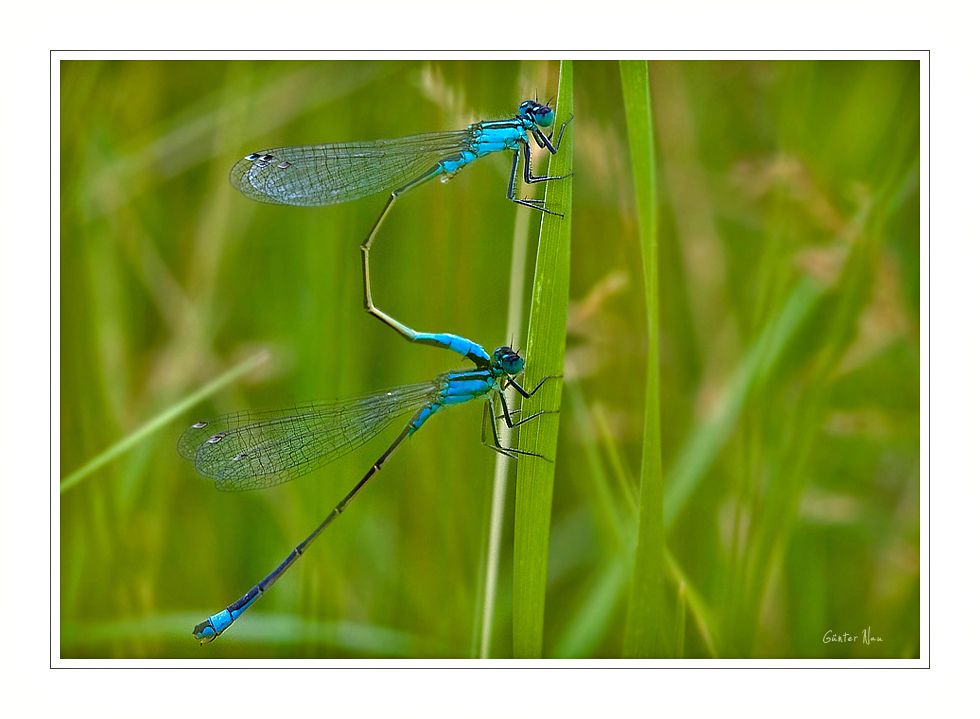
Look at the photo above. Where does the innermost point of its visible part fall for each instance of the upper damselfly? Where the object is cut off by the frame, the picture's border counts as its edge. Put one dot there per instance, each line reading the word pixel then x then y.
pixel 312 175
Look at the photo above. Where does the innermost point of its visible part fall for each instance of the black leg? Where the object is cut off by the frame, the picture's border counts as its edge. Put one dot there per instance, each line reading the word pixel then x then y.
pixel 544 141
pixel 511 194
pixel 496 446
pixel 523 392
pixel 508 415
pixel 529 177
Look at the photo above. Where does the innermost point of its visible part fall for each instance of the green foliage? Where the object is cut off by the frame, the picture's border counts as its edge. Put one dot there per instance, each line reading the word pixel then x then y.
pixel 645 634
pixel 546 349
pixel 787 233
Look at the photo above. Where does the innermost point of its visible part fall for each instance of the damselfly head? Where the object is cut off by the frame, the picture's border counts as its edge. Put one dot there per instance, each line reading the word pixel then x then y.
pixel 540 115
pixel 508 360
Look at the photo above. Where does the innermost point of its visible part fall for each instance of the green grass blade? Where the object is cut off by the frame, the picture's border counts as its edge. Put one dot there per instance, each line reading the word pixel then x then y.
pixel 645 612
pixel 680 619
pixel 704 622
pixel 703 446
pixel 141 433
pixel 592 619
pixel 545 355
pixel 515 320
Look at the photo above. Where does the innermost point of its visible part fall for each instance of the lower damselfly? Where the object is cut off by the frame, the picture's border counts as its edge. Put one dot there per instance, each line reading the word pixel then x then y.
pixel 257 449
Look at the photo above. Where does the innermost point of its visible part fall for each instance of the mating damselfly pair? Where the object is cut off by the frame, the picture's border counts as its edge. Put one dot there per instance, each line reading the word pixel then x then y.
pixel 257 449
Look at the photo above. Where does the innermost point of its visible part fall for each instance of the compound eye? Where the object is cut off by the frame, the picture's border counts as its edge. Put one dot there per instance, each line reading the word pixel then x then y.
pixel 544 116
pixel 509 360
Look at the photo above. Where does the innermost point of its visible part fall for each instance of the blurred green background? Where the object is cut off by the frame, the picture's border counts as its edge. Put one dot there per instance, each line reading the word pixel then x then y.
pixel 788 201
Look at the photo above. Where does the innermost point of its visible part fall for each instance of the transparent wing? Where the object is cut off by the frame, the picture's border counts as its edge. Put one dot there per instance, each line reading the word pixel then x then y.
pixel 258 449
pixel 329 174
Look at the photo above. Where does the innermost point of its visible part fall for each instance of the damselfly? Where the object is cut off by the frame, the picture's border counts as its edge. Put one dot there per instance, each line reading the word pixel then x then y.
pixel 311 175
pixel 253 450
